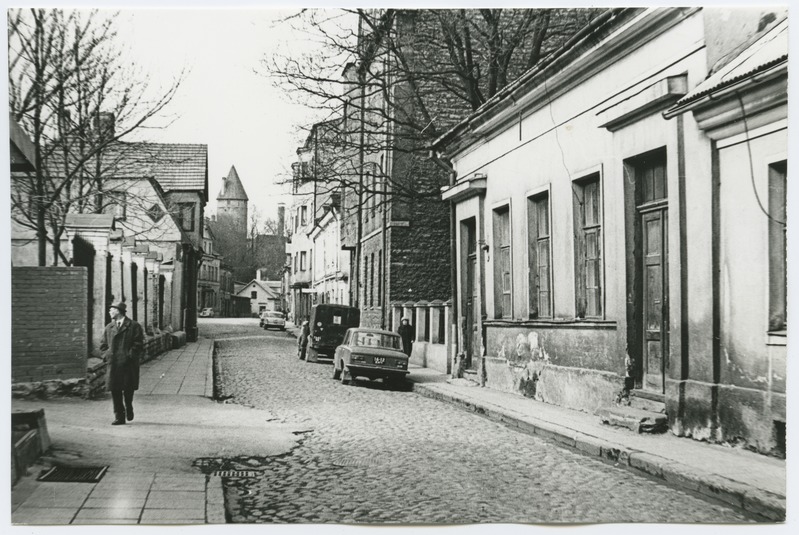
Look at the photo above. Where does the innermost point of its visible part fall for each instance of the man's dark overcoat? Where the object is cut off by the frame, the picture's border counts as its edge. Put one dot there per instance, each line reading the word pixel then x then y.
pixel 122 349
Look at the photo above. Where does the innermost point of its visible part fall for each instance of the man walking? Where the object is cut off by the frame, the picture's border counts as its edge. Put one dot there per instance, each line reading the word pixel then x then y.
pixel 122 346
pixel 407 334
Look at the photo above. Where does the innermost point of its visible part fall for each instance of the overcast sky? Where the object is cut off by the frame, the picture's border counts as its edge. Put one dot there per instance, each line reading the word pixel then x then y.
pixel 223 102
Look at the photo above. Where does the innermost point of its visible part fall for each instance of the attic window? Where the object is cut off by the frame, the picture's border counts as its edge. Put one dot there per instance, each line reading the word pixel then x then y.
pixel 155 212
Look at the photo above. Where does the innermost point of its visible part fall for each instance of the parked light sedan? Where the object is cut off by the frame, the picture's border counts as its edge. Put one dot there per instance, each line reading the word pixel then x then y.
pixel 273 319
pixel 207 312
pixel 371 353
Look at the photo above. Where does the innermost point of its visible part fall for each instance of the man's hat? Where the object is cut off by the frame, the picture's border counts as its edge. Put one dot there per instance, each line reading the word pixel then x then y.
pixel 121 306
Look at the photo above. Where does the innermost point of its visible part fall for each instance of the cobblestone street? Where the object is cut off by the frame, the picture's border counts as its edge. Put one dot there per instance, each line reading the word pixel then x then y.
pixel 375 455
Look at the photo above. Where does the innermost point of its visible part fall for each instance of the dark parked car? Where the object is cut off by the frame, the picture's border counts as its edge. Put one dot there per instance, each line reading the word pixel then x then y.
pixel 371 353
pixel 328 325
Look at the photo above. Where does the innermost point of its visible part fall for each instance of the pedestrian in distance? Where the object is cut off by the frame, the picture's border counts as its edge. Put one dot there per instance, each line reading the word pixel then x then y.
pixel 122 347
pixel 406 333
pixel 302 341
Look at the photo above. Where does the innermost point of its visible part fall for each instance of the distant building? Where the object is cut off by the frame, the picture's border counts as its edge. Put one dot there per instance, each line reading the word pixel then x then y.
pixel 263 294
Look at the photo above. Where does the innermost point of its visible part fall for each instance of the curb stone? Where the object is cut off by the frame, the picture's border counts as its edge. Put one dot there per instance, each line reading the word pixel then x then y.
pixel 757 501
pixel 214 501
pixel 209 377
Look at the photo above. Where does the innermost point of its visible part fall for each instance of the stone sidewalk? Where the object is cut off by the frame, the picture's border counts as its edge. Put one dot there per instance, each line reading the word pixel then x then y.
pixel 747 480
pixel 150 479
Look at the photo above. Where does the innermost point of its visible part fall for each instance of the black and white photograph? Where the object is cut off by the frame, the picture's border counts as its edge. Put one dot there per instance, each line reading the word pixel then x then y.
pixel 368 266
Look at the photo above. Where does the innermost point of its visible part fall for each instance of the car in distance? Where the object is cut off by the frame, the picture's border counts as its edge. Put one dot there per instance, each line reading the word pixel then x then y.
pixel 207 312
pixel 370 353
pixel 327 325
pixel 273 319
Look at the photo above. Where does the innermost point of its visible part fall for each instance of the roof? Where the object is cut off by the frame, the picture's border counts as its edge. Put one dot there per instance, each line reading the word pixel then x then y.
pixel 270 292
pixel 176 166
pixel 768 52
pixel 23 155
pixel 586 38
pixel 232 188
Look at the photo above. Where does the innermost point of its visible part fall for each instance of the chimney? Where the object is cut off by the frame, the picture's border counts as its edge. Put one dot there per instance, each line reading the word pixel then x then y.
pixel 105 123
pixel 281 216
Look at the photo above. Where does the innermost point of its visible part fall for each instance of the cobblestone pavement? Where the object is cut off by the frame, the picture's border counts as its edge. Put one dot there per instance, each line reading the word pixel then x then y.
pixel 375 455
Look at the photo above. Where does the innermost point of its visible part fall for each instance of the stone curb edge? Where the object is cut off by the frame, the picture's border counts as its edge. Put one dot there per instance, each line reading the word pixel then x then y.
pixel 214 493
pixel 214 501
pixel 757 501
pixel 209 377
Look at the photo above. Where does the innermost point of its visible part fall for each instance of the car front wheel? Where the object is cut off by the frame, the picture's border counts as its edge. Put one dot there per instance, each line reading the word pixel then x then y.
pixel 336 372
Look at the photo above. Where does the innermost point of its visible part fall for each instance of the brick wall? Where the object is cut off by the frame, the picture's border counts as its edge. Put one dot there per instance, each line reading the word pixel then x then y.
pixel 49 339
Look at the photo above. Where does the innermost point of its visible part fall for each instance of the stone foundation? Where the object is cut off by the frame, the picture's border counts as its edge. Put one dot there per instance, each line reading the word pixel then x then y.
pixel 572 388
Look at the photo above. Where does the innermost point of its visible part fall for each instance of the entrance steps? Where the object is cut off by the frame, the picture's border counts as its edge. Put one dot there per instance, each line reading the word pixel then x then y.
pixel 643 412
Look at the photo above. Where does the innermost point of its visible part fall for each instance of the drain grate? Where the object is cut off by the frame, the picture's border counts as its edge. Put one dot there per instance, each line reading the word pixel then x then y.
pixel 69 474
pixel 351 462
pixel 236 473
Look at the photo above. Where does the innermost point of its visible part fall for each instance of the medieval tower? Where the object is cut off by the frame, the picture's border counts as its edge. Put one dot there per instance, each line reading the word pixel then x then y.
pixel 231 205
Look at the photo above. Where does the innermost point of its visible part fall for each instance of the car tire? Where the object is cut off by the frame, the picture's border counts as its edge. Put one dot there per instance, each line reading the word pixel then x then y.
pixel 336 372
pixel 312 355
pixel 346 378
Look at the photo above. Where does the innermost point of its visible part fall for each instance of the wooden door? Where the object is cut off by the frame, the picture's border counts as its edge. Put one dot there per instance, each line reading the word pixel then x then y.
pixel 655 305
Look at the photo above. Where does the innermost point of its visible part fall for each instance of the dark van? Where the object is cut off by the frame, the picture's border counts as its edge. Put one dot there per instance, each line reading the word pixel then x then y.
pixel 328 325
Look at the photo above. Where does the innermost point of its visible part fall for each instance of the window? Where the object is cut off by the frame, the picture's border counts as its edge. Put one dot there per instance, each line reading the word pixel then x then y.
pixel 380 277
pixel 303 215
pixel 116 204
pixel 539 257
pixel 778 265
pixel 372 281
pixel 254 294
pixel 296 264
pixel 365 280
pixel 303 257
pixel 502 263
pixel 588 247
pixel 368 197
pixel 186 216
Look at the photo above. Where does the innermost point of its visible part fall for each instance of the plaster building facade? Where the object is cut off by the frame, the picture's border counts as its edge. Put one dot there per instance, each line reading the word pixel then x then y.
pixel 620 218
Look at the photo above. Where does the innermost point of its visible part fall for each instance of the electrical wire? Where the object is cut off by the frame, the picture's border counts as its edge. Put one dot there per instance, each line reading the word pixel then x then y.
pixel 751 165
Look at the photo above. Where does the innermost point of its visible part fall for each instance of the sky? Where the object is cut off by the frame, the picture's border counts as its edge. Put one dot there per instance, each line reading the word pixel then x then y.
pixel 224 101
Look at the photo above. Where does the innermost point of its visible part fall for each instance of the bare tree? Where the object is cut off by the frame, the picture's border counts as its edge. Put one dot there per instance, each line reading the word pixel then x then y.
pixel 410 75
pixel 73 92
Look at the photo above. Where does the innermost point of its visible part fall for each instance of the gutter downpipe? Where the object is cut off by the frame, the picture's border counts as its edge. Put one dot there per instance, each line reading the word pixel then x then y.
pixel 452 362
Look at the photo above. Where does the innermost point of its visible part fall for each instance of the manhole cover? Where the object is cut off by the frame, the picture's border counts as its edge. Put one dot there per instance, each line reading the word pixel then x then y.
pixel 236 473
pixel 73 474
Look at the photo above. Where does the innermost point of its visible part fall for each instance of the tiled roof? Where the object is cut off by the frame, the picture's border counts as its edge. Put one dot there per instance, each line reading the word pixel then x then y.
pixel 768 51
pixel 232 188
pixel 176 166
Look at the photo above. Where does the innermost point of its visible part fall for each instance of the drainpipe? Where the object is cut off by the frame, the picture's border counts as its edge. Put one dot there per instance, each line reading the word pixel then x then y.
pixel 453 252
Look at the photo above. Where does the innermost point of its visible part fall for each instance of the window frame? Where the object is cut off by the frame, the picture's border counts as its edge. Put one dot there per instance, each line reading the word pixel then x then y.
pixel 582 230
pixel 534 237
pixel 502 252
pixel 777 175
pixel 182 207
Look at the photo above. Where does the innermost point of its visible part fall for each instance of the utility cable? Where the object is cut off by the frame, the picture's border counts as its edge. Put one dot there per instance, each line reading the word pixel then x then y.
pixel 751 165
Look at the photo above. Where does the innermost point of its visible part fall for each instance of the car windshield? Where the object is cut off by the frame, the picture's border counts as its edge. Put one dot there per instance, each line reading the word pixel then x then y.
pixel 377 340
pixel 273 315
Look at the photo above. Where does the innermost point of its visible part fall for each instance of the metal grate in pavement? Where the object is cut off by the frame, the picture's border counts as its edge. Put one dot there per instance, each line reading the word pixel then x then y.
pixel 348 461
pixel 70 474
pixel 236 473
